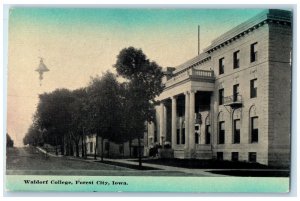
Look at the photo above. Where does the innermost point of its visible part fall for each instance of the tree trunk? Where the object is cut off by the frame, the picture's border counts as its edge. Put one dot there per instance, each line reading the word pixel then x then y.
pixel 85 149
pixel 71 149
pixel 77 148
pixel 139 152
pixel 96 147
pixel 130 148
pixel 56 144
pixel 71 146
pixel 67 149
pixel 62 146
pixel 82 147
pixel 108 150
pixel 123 151
pixel 102 150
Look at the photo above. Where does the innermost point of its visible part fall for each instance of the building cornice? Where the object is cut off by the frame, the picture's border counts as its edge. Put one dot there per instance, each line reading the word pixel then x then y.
pixel 266 17
pixel 201 58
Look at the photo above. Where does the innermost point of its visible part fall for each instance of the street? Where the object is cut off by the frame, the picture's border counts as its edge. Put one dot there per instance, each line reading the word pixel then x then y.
pixel 28 160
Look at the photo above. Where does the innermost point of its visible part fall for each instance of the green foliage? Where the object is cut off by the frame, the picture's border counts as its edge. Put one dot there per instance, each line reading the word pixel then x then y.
pixel 79 111
pixel 105 106
pixel 144 85
pixel 53 115
pixel 34 136
pixel 53 111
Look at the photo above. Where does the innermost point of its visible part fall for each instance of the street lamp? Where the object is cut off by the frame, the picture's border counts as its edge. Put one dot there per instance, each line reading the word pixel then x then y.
pixel 41 69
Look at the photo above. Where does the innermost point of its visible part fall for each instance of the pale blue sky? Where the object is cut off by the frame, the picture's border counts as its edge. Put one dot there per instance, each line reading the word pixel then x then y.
pixel 80 43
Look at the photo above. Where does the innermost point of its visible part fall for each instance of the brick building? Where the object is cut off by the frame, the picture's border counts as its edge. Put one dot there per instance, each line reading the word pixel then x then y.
pixel 232 101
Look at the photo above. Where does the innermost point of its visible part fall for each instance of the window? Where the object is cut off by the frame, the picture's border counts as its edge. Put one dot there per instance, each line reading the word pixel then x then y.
pixel 234 156
pixel 207 134
pixel 221 66
pixel 219 155
pixel 252 157
pixel 254 129
pixel 236 131
pixel 236 59
pixel 253 52
pixel 235 92
pixel 183 136
pixel 253 88
pixel 221 132
pixel 196 138
pixel 221 96
pixel 178 136
pixel 91 147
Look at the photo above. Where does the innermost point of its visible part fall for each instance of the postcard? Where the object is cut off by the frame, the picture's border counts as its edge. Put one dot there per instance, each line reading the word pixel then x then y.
pixel 149 99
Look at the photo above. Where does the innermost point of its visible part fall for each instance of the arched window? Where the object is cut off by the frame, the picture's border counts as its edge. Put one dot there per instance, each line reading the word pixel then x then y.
pixel 253 125
pixel 236 121
pixel 207 130
pixel 221 128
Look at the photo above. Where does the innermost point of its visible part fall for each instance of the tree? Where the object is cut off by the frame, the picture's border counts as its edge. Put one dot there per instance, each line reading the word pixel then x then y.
pixel 78 112
pixel 54 115
pixel 144 84
pixel 9 141
pixel 34 136
pixel 104 108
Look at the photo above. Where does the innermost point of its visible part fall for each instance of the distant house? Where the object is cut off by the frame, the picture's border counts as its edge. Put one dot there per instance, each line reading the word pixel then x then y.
pixel 111 149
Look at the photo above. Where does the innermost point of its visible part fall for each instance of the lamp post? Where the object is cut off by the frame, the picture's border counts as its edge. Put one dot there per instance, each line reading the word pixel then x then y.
pixel 163 141
pixel 42 68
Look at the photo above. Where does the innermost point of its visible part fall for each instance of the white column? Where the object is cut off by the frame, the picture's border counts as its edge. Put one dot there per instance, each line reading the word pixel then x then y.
pixel 152 127
pixel 165 125
pixel 192 121
pixel 174 126
pixel 161 123
pixel 186 120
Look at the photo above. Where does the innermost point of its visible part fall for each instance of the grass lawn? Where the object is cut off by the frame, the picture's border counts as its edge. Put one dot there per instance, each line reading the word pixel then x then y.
pixel 253 173
pixel 205 164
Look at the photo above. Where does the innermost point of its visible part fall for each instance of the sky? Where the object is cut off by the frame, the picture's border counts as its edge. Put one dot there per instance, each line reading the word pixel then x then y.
pixel 79 43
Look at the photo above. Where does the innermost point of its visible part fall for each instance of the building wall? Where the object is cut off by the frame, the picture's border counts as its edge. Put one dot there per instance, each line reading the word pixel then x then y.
pixel 242 76
pixel 90 144
pixel 114 151
pixel 280 95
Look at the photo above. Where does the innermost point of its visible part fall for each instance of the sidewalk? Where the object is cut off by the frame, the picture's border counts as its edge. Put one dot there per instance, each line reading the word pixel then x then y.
pixel 90 159
pixel 196 172
pixel 48 153
pixel 192 172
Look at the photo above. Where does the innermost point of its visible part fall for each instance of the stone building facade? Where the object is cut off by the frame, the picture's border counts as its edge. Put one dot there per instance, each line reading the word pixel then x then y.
pixel 232 101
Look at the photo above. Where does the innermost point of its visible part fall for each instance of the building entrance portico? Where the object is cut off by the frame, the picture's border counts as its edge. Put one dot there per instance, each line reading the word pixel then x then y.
pixel 180 121
pixel 185 97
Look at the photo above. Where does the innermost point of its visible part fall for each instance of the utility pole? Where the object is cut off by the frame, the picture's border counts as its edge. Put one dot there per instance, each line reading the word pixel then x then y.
pixel 198 39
